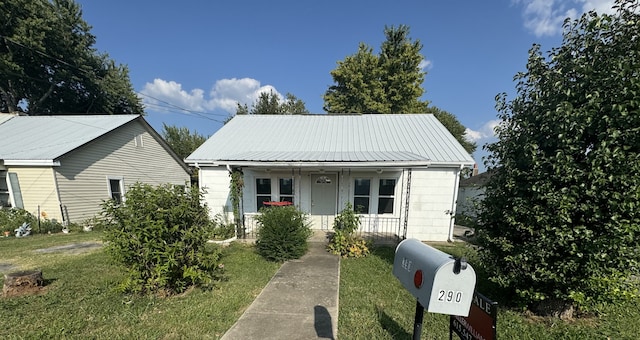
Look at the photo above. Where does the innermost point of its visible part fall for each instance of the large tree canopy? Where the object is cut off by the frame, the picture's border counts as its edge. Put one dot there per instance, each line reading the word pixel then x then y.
pixel 560 219
pixel 181 140
pixel 390 82
pixel 270 104
pixel 48 64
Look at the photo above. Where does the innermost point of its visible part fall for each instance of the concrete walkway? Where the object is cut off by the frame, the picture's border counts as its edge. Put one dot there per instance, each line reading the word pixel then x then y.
pixel 300 301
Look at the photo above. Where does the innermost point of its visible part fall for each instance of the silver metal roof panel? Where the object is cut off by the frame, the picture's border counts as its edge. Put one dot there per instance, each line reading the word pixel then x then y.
pixel 45 138
pixel 332 138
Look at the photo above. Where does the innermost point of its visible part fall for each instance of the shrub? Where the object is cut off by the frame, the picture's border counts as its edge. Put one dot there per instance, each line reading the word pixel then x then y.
pixel 160 234
pixel 344 242
pixel 223 229
pixel 283 233
pixel 10 219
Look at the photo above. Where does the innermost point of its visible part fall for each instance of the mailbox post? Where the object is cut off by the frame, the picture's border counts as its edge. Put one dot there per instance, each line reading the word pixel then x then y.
pixel 439 282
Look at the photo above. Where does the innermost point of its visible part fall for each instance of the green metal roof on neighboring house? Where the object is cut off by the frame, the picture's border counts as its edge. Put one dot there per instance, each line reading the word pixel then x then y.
pixel 355 139
pixel 40 139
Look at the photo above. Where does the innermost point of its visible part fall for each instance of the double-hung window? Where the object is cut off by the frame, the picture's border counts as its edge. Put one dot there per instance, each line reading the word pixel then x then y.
pixel 116 189
pixel 386 192
pixel 263 191
pixel 286 189
pixel 361 195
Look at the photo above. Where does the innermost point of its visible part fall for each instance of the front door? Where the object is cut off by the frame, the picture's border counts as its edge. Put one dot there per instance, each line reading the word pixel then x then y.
pixel 323 200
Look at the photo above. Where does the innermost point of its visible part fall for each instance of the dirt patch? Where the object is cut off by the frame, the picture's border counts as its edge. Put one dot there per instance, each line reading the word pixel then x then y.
pixel 74 248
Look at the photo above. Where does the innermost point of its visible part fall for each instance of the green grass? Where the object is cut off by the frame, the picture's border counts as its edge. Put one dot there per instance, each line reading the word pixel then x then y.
pixel 374 305
pixel 80 300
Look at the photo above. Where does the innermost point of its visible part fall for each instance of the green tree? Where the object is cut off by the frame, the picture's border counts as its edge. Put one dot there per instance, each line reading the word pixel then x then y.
pixel 454 126
pixel 181 140
pixel 390 82
pixel 49 65
pixel 270 104
pixel 560 217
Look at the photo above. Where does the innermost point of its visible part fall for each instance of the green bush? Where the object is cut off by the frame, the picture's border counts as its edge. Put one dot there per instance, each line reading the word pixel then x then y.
pixel 223 229
pixel 283 233
pixel 10 219
pixel 160 234
pixel 344 241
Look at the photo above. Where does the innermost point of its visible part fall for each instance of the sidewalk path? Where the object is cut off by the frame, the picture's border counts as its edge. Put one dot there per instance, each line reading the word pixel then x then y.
pixel 300 301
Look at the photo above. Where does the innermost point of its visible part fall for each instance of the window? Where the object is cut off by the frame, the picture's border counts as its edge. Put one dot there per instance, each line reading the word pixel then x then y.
pixel 4 190
pixel 138 141
pixel 286 189
pixel 14 184
pixel 116 189
pixel 385 196
pixel 263 191
pixel 361 195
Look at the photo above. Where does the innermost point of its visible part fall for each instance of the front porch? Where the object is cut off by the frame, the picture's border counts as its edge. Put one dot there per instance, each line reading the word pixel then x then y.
pixel 376 229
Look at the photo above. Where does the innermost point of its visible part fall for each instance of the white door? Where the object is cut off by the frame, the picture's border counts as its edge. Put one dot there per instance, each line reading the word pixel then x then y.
pixel 323 200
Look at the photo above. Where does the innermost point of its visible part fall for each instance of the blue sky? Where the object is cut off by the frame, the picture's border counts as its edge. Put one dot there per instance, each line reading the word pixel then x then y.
pixel 192 61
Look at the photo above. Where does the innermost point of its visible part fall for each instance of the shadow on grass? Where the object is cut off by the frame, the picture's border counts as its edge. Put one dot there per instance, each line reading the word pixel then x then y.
pixel 387 253
pixel 391 326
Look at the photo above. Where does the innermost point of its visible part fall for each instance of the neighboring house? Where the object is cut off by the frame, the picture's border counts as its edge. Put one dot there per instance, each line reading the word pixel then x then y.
pixel 470 193
pixel 66 166
pixel 400 171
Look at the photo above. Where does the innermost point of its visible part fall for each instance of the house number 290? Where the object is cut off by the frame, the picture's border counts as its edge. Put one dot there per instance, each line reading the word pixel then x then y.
pixel 449 296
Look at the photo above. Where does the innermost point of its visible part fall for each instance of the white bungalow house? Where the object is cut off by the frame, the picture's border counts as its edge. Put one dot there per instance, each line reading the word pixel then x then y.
pixel 401 171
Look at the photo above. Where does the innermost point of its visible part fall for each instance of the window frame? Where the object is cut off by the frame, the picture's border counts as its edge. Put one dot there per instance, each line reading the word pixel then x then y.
pixel 386 196
pixel 367 209
pixel 120 180
pixel 262 197
pixel 284 197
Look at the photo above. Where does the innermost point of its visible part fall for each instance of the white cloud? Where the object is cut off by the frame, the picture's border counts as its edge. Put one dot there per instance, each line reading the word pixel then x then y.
pixel 224 95
pixel 484 134
pixel 545 17
pixel 425 64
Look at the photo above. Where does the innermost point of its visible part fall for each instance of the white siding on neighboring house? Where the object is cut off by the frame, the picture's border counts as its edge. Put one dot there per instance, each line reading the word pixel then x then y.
pixel 432 195
pixel 468 198
pixel 216 189
pixel 129 153
pixel 38 189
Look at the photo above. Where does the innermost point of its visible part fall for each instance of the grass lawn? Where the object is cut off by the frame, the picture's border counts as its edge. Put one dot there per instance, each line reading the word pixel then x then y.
pixel 80 300
pixel 374 305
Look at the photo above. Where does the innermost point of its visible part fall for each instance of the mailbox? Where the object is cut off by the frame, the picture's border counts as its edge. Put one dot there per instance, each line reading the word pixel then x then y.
pixel 441 283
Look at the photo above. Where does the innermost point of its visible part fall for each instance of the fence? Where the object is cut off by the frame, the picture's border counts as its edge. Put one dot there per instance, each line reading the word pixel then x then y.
pixel 380 230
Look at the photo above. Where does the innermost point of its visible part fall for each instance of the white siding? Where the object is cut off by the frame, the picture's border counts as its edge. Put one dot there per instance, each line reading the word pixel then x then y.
pixel 432 195
pixel 468 197
pixel 83 175
pixel 214 182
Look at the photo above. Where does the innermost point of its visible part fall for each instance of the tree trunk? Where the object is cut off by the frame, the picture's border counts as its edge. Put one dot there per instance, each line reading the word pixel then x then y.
pixel 21 283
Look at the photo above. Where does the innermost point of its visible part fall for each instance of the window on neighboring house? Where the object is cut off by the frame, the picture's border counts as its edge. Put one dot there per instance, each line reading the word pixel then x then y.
pixel 385 196
pixel 138 141
pixel 286 189
pixel 14 186
pixel 116 189
pixel 361 195
pixel 4 190
pixel 263 191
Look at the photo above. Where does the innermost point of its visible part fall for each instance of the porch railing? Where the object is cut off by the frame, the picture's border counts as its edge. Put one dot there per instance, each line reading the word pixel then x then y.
pixel 375 228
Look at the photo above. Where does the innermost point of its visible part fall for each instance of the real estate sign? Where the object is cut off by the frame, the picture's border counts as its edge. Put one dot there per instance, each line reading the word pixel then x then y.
pixel 481 322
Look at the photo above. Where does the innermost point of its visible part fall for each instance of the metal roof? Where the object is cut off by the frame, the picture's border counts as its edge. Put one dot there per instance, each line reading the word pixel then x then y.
pixel 45 138
pixel 321 138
